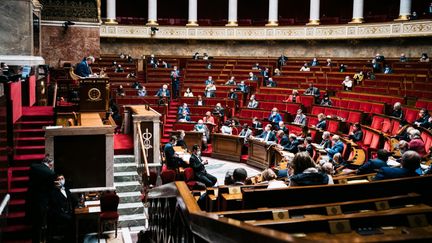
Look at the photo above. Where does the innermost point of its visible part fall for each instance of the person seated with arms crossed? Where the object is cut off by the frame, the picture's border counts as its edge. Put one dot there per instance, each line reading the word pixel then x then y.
pixel 227 128
pixel 326 101
pixel 410 162
pixel 163 92
pixel 173 161
pixel 357 134
pixel 292 145
pixel 267 135
pixel 242 87
pixel 142 92
pixel 83 68
pixel 197 164
pixel 337 147
pixel 300 118
pixel 184 117
pixel 219 110
pixel 210 91
pixel 305 172
pixel 305 68
pixel 188 93
pixel 347 83
pixel 231 81
pixel 183 108
pixel 270 177
pixel 201 127
pixel 314 62
pixel 199 101
pixel 209 118
pixel 209 80
pixel 423 119
pixel 253 103
pixel 322 123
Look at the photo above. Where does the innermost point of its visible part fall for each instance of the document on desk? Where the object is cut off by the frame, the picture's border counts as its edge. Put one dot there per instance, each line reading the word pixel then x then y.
pixel 94 209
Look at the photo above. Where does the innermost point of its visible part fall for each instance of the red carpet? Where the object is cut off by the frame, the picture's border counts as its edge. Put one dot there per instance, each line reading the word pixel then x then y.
pixel 123 144
pixel 38 111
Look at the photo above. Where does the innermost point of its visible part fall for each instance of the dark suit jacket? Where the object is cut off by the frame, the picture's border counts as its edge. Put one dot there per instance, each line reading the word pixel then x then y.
pixel 83 69
pixel 292 146
pixel 371 166
pixel 196 164
pixel 41 183
pixel 321 125
pixel 60 207
pixel 391 173
pixel 272 136
pixel 337 148
pixel 169 156
pixel 181 143
pixel 284 141
pixel 310 150
pixel 358 136
pixel 233 96
pixel 160 91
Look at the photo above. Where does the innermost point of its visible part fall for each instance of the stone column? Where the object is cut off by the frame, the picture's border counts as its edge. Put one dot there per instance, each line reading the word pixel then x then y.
pixel 273 13
pixel 404 10
pixel 111 12
pixel 357 12
pixel 152 12
pixel 193 19
pixel 232 13
pixel 314 18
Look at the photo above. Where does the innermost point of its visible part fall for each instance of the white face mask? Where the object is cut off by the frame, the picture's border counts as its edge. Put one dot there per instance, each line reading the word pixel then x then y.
pixel 199 152
pixel 62 183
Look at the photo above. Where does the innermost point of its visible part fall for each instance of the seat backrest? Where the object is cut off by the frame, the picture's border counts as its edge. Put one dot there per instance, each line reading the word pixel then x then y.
pixel 109 201
pixel 168 176
pixel 189 174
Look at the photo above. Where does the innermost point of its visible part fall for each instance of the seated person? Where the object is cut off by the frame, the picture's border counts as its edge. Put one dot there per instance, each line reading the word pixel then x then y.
pixel 201 127
pixel 357 134
pixel 82 69
pixel 282 138
pixel 197 164
pixel 423 119
pixel 256 66
pixel 209 65
pixel 267 135
pixel 388 69
pixel 292 145
pixel 329 62
pixel 181 142
pixel 326 141
pixel 274 116
pixel 347 83
pixel 271 83
pixel 358 77
pixel 205 56
pixel 300 118
pixel 210 91
pixel 209 80
pixel 373 165
pixel 171 158
pixel 293 97
pixel 326 101
pixel 379 58
pixel 322 124
pixel 281 126
pixel 231 81
pixel 305 68
pixel 403 58
pixel 253 103
pixel 308 146
pixel 252 77
pixel 257 125
pixel 163 92
pixel 276 72
pixel 209 118
pixel 424 58
pixel 232 95
pixel 227 128
pixel 120 91
pixel 376 66
pixel 266 74
pixel 245 133
pixel 183 108
pixel 305 172
pixel 314 62
pixel 199 101
pixel 119 69
pixel 342 68
pixel 136 85
pixel 184 117
pixel 312 91
pixel 410 162
pixel 270 177
pixel 337 147
pixel 397 111
pixel 242 87
pixel 239 177
pixel 188 93
pixel 219 110
pixel 416 142
pixel 142 91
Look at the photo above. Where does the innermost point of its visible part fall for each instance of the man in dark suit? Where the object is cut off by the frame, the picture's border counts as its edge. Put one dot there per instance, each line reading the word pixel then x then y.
pixel 175 80
pixel 41 184
pixel 268 135
pixel 410 162
pixel 83 68
pixel 172 160
pixel 315 92
pixel 373 165
pixel 163 92
pixel 61 212
pixel 197 164
pixel 337 147
pixel 292 145
pixel 181 142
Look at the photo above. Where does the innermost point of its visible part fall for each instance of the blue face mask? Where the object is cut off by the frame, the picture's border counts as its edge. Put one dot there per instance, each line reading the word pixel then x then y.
pixel 200 126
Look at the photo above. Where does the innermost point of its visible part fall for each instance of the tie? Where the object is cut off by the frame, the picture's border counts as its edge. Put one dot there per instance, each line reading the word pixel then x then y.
pixel 267 137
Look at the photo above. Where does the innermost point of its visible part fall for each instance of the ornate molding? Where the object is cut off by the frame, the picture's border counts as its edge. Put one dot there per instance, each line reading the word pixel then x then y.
pixel 349 31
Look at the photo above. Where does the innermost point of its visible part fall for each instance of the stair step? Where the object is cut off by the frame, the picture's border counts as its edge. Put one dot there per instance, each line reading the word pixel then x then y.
pixel 32 149
pixel 130 208
pixel 132 220
pixel 124 159
pixel 125 167
pixel 127 186
pixel 29 132
pixel 129 197
pixel 29 141
pixel 126 176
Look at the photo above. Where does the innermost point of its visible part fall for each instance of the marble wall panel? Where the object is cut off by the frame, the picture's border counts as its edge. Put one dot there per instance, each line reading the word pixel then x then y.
pixel 71 45
pixel 16 27
pixel 412 47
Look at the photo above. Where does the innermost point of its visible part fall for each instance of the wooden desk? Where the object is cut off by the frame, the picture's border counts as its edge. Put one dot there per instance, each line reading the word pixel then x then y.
pixel 90 211
pixel 279 154
pixel 91 120
pixel 231 201
pixel 191 138
pixel 259 154
pixel 227 147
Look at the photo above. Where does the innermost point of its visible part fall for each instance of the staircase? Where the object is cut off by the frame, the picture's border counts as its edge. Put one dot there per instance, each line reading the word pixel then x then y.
pixel 128 187
pixel 29 141
pixel 170 120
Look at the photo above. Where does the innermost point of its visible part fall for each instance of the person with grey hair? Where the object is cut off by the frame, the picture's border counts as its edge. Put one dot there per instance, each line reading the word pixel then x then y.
pixel 416 143
pixel 269 176
pixel 410 162
pixel 326 141
pixel 293 144
pixel 397 111
pixel 337 147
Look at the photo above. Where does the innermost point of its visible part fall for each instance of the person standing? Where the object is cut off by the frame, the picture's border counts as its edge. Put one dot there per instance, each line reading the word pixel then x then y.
pixel 175 80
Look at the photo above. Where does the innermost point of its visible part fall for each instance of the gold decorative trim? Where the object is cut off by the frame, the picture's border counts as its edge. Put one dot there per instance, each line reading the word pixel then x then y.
pixel 402 18
pixel 152 22
pixel 192 23
pixel 272 23
pixel 111 21
pixel 232 24
pixel 313 22
pixel 356 21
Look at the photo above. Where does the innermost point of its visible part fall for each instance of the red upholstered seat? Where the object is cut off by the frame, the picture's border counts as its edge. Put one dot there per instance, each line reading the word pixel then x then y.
pixel 386 126
pixel 109 202
pixel 318 109
pixel 377 122
pixel 367 137
pixel 354 117
pixel 168 176
pixel 109 215
pixel 333 126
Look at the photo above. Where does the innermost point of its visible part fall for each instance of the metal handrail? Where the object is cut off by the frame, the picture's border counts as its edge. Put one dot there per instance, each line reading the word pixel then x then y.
pixel 4 203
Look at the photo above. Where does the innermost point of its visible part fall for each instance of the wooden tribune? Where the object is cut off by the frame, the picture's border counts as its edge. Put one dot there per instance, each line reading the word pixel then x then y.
pixel 191 138
pixel 227 147
pixel 259 154
pixel 94 94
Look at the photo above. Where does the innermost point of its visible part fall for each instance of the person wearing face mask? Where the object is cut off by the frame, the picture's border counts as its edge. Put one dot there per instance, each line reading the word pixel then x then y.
pixel 197 164
pixel 253 103
pixel 242 87
pixel 171 158
pixel 61 210
pixel 300 118
pixel 267 135
pixel 41 179
pixel 274 116
pixel 201 127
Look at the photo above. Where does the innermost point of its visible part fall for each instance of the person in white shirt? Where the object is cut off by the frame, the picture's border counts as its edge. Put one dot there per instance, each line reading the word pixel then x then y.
pixel 269 176
pixel 226 128
pixel 188 93
pixel 253 103
pixel 305 68
pixel 347 83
